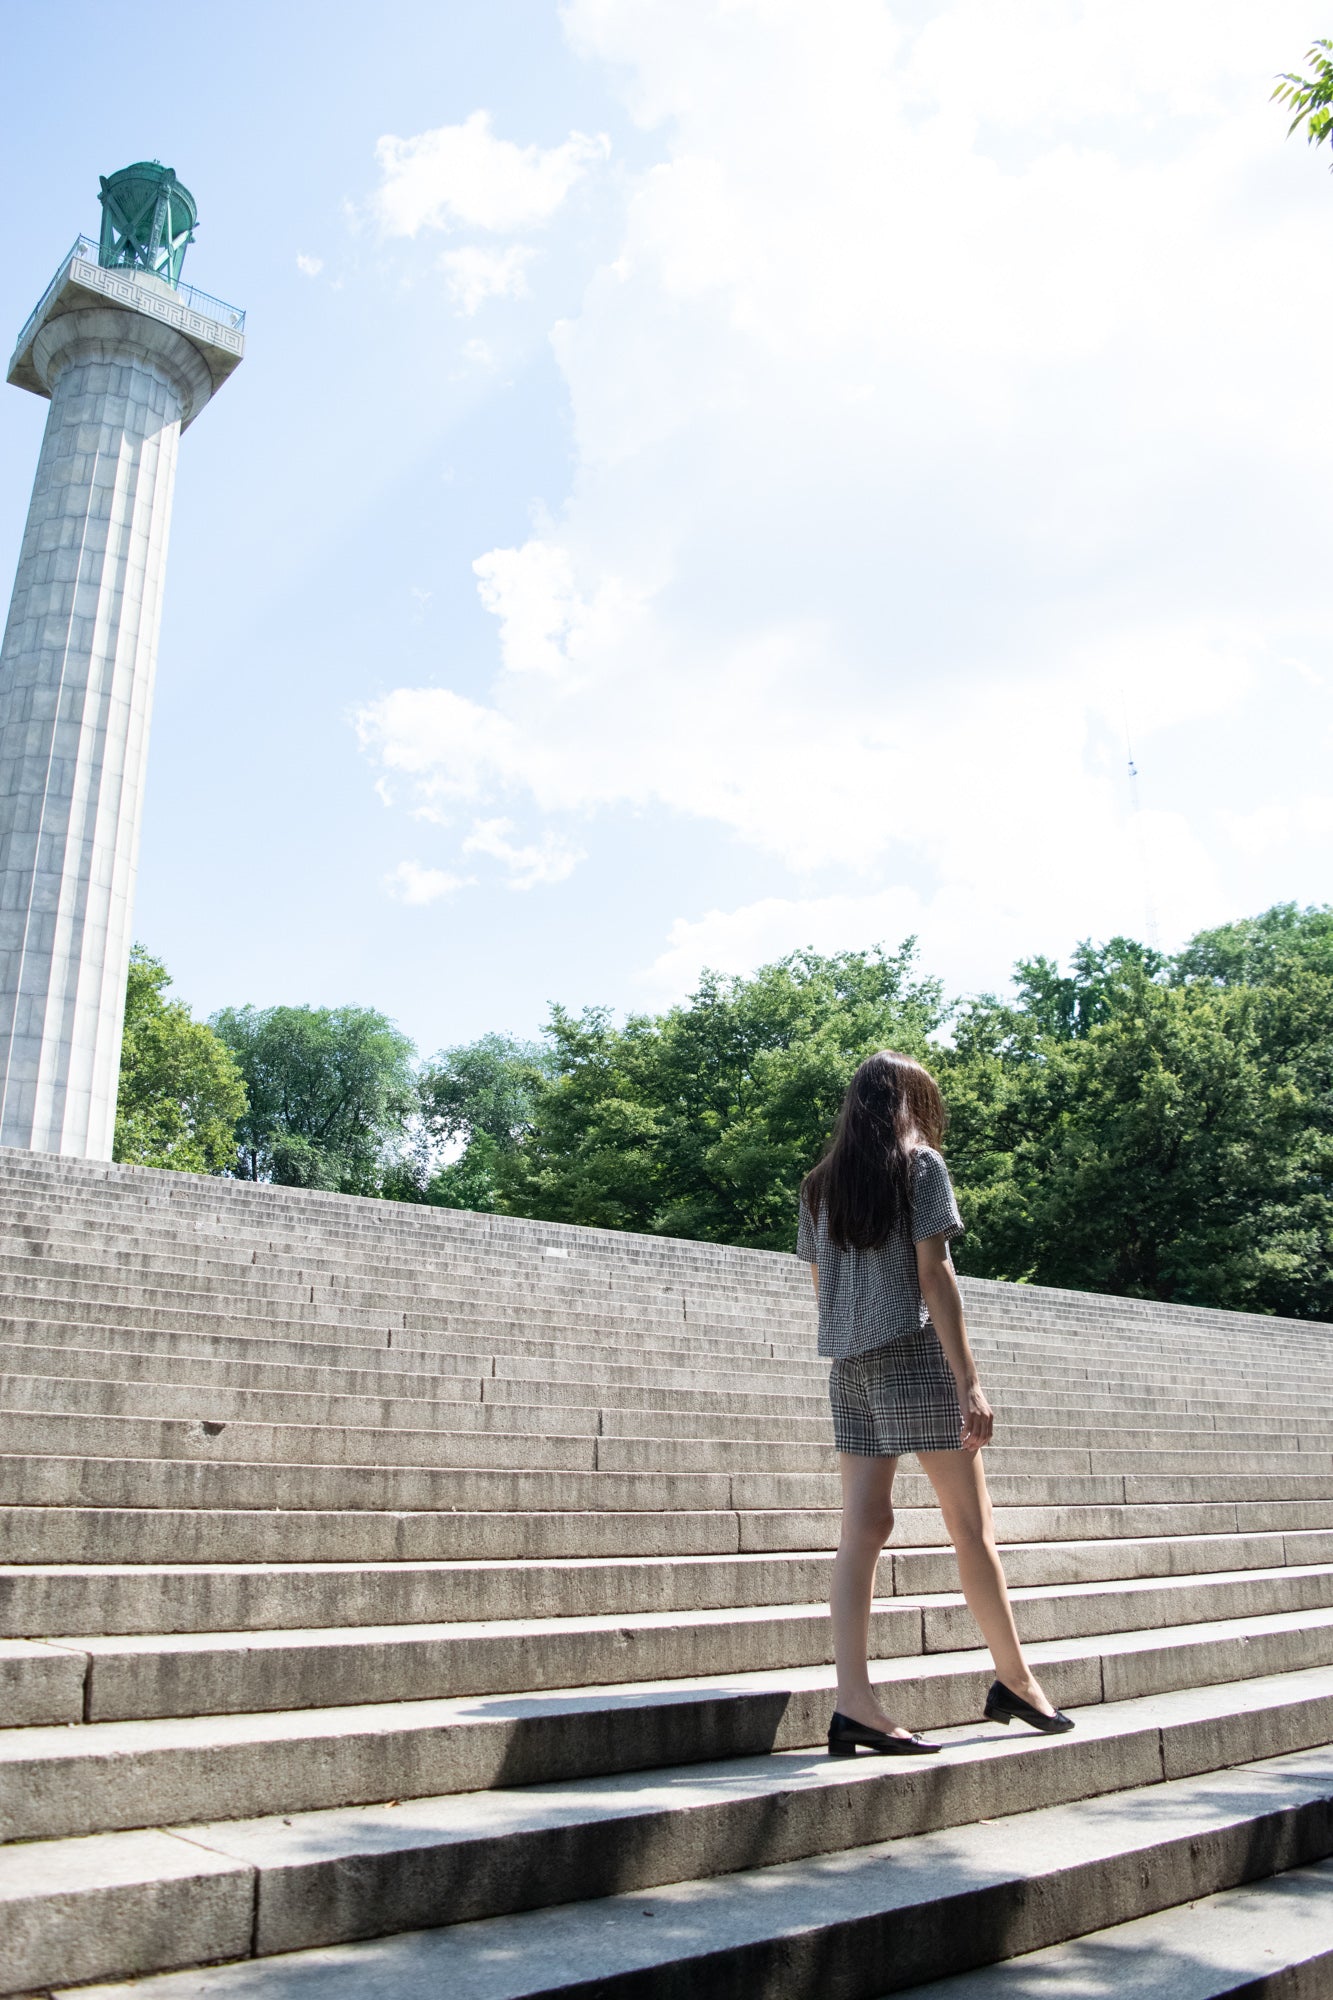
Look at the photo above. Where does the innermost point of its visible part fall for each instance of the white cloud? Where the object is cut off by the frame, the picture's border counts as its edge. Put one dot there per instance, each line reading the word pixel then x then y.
pixel 1026 891
pixel 1281 824
pixel 942 414
pixel 547 626
pixel 310 267
pixel 772 738
pixel 731 941
pixel 550 860
pixel 531 591
pixel 454 748
pixel 1171 673
pixel 463 174
pixel 476 274
pixel 409 882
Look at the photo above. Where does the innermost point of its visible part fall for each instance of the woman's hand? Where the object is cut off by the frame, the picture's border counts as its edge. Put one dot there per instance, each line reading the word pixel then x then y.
pixel 977 1416
pixel 939 1289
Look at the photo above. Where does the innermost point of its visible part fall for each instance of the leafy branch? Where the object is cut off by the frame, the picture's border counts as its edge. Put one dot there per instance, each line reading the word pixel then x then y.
pixel 1311 97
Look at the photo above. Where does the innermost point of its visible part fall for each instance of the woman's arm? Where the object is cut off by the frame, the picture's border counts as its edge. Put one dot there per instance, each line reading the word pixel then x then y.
pixel 939 1289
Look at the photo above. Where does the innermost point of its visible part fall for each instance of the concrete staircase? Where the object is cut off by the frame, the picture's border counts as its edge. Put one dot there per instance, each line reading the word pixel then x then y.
pixel 401 1602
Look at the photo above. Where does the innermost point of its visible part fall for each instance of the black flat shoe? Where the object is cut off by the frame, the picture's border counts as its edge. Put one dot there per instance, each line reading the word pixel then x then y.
pixel 1004 1706
pixel 844 1735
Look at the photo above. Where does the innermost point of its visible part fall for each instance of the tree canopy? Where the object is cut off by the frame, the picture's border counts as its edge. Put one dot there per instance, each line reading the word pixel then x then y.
pixel 1166 1131
pixel 330 1092
pixel 180 1090
pixel 703 1121
pixel 477 1103
pixel 1160 1126
pixel 1151 1125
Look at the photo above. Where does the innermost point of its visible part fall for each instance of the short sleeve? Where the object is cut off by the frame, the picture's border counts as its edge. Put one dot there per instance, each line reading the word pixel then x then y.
pixel 934 1209
pixel 807 1237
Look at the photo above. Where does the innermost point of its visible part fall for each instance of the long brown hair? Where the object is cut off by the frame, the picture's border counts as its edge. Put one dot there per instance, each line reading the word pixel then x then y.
pixel 864 1181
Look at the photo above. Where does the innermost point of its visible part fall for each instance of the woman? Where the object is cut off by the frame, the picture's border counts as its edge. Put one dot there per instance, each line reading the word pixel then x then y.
pixel 877 1216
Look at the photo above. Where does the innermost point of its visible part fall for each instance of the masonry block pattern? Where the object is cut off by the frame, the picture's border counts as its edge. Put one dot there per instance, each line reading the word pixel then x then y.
pixel 76 688
pixel 402 1602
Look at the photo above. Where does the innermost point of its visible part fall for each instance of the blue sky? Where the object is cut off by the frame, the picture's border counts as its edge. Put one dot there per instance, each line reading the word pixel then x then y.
pixel 711 476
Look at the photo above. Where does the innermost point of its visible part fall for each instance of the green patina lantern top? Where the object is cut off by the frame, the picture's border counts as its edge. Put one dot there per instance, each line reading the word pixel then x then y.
pixel 148 219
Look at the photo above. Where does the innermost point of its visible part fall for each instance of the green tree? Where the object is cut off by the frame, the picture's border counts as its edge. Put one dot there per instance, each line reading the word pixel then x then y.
pixel 1174 1166
pixel 1262 950
pixel 1162 1128
pixel 1067 1006
pixel 479 1098
pixel 181 1092
pixel 331 1090
pixel 702 1121
pixel 1311 97
pixel 470 1180
pixel 1151 1125
pixel 1136 1123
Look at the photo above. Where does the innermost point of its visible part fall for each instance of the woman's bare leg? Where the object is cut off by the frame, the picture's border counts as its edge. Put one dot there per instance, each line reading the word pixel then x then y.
pixel 960 1487
pixel 867 1523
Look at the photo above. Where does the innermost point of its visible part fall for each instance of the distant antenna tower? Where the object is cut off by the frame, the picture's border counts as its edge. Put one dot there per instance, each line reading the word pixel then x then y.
pixel 1136 810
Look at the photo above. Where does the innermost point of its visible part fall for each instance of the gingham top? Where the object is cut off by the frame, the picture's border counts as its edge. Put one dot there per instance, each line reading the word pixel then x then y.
pixel 868 1298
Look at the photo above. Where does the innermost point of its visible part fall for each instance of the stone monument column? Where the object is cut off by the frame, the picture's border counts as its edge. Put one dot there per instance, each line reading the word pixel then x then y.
pixel 128 357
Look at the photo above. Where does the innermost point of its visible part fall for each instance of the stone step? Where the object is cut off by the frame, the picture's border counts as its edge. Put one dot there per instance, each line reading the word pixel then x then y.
pixel 539 1359
pixel 57 1781
pixel 161 1419
pixel 211 1479
pixel 240 1210
pixel 859 1876
pixel 460 1373
pixel 377 1233
pixel 637 1389
pixel 63 1201
pixel 234 1673
pixel 524 1383
pixel 440 1241
pixel 214 1673
pixel 53 1480
pixel 472 1353
pixel 443 1289
pixel 315 1443
pixel 151 1237
pixel 140 1239
pixel 241 1443
pixel 93 1300
pixel 238 1361
pixel 205 1208
pixel 41 1378
pixel 63 1533
pixel 131 1194
pixel 856 1926
pixel 71 1533
pixel 82 1598
pixel 75 1301
pixel 78 1598
pixel 1272 1938
pixel 473 1357
pixel 597 1283
pixel 137 1383
pixel 28 1343
pixel 307 1309
pixel 459 1548
pixel 1033 1339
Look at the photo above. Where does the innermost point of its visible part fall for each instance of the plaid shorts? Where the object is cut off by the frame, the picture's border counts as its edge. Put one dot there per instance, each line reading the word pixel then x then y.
pixel 895 1399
